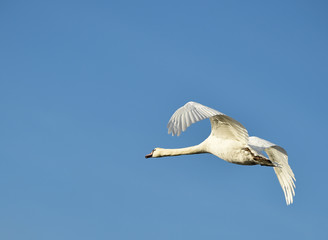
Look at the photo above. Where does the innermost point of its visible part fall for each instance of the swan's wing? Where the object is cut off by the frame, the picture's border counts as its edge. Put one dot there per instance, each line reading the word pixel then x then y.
pixel 188 114
pixel 223 126
pixel 226 127
pixel 278 155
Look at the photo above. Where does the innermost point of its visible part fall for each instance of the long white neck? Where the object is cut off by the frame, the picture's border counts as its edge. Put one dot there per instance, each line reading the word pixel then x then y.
pixel 162 152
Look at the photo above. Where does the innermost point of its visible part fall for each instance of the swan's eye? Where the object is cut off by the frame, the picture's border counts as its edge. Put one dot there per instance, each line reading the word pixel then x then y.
pixel 154 150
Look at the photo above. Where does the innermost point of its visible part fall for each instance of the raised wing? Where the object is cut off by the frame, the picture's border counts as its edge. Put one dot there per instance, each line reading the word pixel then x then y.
pixel 188 114
pixel 278 155
pixel 226 127
pixel 223 126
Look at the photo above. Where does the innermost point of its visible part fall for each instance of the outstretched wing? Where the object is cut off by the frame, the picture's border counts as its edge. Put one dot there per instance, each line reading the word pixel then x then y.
pixel 223 126
pixel 278 155
pixel 188 114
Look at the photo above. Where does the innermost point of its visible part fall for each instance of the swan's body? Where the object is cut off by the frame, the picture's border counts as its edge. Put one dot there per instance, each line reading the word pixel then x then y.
pixel 229 141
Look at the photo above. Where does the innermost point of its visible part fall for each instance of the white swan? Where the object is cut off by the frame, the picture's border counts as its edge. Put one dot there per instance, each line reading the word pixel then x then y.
pixel 229 141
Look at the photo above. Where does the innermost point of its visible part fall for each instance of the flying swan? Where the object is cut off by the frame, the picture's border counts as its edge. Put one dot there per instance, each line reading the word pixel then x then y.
pixel 229 141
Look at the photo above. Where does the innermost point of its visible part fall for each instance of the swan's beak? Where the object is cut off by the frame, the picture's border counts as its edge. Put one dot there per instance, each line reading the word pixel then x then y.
pixel 149 155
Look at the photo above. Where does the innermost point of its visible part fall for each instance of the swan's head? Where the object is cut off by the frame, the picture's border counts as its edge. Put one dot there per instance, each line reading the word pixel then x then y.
pixel 155 153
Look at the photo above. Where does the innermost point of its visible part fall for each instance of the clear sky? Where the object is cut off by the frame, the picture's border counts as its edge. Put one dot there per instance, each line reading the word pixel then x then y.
pixel 86 91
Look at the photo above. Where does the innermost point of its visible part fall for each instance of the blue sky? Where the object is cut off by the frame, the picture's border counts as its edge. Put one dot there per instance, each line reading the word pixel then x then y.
pixel 87 88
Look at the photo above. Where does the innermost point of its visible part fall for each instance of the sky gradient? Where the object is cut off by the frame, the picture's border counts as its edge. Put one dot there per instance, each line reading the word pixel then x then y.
pixel 86 91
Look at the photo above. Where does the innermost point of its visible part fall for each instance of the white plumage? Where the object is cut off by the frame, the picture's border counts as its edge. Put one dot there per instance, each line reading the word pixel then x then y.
pixel 283 171
pixel 229 141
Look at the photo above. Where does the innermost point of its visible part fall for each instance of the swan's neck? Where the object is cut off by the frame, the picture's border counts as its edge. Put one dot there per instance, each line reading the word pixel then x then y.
pixel 162 152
